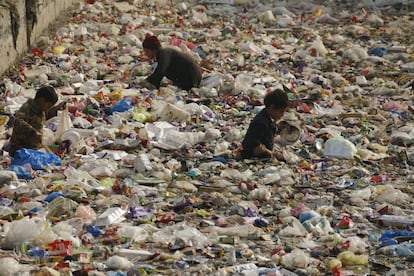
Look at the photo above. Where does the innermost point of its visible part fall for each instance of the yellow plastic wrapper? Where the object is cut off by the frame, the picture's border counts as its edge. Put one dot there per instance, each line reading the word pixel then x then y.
pixel 142 116
pixel 3 120
pixel 348 258
pixel 58 50
pixel 107 182
pixel 377 147
pixel 203 213
pixel 116 95
pixel 100 96
pixel 317 12
pixel 335 263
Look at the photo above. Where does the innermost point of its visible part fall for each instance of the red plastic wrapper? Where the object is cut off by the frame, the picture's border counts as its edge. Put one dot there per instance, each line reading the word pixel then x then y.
pixel 60 248
pixel 37 52
pixel 345 223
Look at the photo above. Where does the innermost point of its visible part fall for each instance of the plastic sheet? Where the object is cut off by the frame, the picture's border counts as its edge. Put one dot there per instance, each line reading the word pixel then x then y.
pixel 38 160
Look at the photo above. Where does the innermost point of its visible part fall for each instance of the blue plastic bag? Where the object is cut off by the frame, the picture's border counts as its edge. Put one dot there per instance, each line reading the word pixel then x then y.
pixel 53 195
pixel 379 51
pixel 122 105
pixel 21 172
pixel 37 159
pixel 200 52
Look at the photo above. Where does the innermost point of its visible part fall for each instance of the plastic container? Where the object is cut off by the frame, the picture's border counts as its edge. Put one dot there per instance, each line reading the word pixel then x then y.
pixel 172 112
pixel 73 136
pixel 289 134
pixel 339 147
pixel 110 216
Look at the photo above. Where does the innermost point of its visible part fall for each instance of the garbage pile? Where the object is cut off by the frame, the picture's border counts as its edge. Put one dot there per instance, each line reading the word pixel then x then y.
pixel 146 182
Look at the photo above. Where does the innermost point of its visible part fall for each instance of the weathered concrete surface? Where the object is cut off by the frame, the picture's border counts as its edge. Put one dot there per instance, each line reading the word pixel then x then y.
pixel 22 22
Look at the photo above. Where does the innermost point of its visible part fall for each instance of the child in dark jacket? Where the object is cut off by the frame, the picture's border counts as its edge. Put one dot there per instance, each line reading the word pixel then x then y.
pixel 258 141
pixel 30 119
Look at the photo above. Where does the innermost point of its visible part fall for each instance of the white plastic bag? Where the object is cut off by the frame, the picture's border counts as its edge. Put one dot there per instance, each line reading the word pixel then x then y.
pixel 296 259
pixel 292 228
pixel 118 262
pixel 34 230
pixel 318 47
pixel 65 124
pixel 339 147
pixel 135 233
pixel 9 266
pixel 267 17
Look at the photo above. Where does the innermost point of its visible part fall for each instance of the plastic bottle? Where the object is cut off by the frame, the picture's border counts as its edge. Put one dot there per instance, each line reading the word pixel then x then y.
pixel 402 250
pixel 390 234
pixel 396 220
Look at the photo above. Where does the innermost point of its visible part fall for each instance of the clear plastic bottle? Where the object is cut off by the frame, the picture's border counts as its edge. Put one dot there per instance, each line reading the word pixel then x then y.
pixel 401 250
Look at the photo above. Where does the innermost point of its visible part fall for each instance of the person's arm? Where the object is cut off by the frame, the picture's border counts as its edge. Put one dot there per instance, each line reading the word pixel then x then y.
pixel 278 155
pixel 164 60
pixel 53 111
pixel 262 151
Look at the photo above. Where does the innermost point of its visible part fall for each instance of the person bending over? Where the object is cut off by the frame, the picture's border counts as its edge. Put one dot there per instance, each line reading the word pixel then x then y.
pixel 179 67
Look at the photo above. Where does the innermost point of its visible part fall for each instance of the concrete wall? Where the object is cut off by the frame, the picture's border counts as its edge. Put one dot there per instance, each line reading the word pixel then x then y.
pixel 22 22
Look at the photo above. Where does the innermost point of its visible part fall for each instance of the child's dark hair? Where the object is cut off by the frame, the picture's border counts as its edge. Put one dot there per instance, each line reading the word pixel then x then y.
pixel 48 93
pixel 151 42
pixel 278 98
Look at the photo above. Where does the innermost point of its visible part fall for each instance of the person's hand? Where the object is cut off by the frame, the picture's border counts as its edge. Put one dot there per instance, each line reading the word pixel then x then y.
pixel 61 106
pixel 278 155
pixel 38 136
pixel 262 152
pixel 147 84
